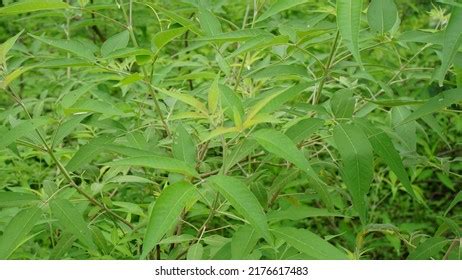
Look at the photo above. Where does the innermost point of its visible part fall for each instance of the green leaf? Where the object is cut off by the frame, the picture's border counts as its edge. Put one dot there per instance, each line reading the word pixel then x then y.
pixel 382 15
pixel 183 147
pixel 209 23
pixel 33 6
pixel 279 6
pixel 299 213
pixel 259 43
pixel 157 162
pixel 76 47
pixel 434 104
pixel 72 221
pixel 457 199
pixel 67 128
pixel 6 46
pixel 343 104
pixel 25 128
pixel 244 201
pixel 16 199
pixel 279 70
pixel 115 42
pixel 428 249
pixel 280 145
pixel 195 252
pixel 87 152
pixel 213 96
pixel 163 38
pixel 303 129
pixel 451 43
pixel 383 146
pixel 233 36
pixel 309 243
pixel 165 213
pixel 357 168
pixel 17 229
pixel 243 242
pixel 349 22
pixel 94 106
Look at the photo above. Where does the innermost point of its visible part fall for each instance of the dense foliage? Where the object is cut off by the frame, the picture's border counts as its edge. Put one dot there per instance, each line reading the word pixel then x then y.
pixel 251 129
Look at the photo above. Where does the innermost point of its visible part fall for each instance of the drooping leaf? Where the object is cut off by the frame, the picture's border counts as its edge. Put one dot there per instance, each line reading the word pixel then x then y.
pixel 428 249
pixel 382 15
pixel 349 22
pixel 72 221
pixel 76 47
pixel 17 229
pixel 383 146
pixel 87 152
pixel 165 213
pixel 25 128
pixel 115 42
pixel 309 243
pixel 33 6
pixel 451 43
pixel 244 201
pixel 157 162
pixel 357 168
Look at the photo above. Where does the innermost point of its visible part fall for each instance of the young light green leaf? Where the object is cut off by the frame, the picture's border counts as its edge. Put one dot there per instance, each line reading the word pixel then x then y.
pixel 87 152
pixel 434 104
pixel 16 199
pixel 6 46
pixel 115 42
pixel 428 249
pixel 17 229
pixel 309 243
pixel 209 23
pixel 165 213
pixel 25 128
pixel 383 146
pixel 183 147
pixel 356 153
pixel 382 15
pixel 279 6
pixel 243 242
pixel 163 38
pixel 33 6
pixel 342 104
pixel 348 22
pixel 244 201
pixel 451 43
pixel 72 221
pixel 157 162
pixel 76 47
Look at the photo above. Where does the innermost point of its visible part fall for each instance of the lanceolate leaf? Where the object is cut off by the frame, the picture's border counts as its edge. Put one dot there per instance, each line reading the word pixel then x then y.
pixel 303 129
pixel 357 164
pixel 73 46
pixel 33 6
pixel 279 6
pixel 6 46
pixel 157 162
pixel 87 152
pixel 243 242
pixel 435 104
pixel 244 201
pixel 165 213
pixel 428 249
pixel 348 22
pixel 72 221
pixel 116 42
pixel 16 199
pixel 382 15
pixel 384 147
pixel 451 43
pixel 309 243
pixel 183 147
pixel 209 23
pixel 280 145
pixel 17 229
pixel 163 38
pixel 25 128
